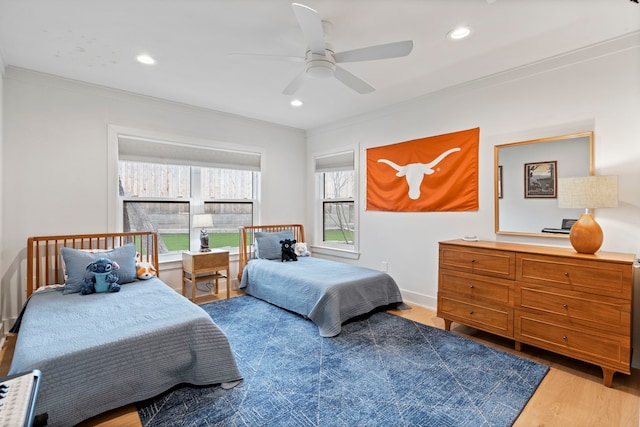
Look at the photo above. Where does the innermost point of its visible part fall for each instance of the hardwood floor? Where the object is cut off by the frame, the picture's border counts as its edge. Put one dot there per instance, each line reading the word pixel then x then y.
pixel 571 394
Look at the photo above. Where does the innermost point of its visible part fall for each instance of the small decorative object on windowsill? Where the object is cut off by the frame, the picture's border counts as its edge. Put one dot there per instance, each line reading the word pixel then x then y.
pixel 203 221
pixel 588 192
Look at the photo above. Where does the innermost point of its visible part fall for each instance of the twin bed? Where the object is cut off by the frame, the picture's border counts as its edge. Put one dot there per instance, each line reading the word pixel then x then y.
pixel 326 292
pixel 101 351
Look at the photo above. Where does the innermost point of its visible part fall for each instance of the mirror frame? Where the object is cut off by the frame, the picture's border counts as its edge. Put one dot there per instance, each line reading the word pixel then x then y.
pixel 496 150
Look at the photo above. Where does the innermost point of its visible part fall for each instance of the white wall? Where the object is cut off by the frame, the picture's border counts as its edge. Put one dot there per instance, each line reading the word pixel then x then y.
pixel 55 160
pixel 601 94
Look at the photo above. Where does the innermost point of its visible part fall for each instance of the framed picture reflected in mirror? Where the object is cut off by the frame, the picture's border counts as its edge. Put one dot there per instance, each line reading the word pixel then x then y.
pixel 540 179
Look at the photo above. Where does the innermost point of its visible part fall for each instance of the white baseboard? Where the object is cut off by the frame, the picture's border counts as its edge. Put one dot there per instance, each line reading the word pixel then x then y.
pixel 422 300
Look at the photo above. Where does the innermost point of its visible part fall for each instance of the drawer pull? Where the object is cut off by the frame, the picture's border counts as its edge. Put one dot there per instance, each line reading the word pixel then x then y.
pixel 471 287
pixel 564 338
pixel 470 313
pixel 565 306
pixel 472 261
pixel 566 274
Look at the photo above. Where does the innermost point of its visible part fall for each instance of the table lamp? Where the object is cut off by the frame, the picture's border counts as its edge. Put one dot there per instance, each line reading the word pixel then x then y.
pixel 587 192
pixel 203 221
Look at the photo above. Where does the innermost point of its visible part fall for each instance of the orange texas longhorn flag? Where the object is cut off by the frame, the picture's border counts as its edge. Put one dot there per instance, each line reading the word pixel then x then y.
pixel 435 174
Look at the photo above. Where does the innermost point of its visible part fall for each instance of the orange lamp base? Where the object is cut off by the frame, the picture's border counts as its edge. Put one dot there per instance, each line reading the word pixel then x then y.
pixel 586 235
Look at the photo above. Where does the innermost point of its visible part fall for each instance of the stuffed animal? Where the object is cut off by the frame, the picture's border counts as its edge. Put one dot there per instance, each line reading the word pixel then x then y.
pixel 300 249
pixel 99 277
pixel 287 250
pixel 144 269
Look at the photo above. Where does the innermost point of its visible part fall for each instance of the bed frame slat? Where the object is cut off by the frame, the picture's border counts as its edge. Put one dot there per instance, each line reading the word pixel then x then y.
pixel 247 238
pixel 44 262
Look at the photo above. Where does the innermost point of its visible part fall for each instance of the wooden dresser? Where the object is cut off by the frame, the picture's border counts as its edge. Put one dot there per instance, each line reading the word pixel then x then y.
pixel 553 298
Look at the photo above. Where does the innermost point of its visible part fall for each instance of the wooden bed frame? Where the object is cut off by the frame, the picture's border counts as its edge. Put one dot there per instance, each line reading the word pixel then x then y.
pixel 247 238
pixel 44 262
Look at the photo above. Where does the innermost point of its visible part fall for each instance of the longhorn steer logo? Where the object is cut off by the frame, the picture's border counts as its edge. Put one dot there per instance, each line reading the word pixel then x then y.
pixel 415 172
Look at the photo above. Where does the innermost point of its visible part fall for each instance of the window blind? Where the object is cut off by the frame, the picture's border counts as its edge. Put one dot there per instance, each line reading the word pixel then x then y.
pixel 335 162
pixel 150 151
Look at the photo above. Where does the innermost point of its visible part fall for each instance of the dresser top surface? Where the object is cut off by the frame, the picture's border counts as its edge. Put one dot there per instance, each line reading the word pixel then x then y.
pixel 543 250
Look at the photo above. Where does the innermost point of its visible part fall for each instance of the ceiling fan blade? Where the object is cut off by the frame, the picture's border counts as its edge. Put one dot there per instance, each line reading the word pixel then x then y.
pixel 311 25
pixel 268 57
pixel 295 83
pixel 352 81
pixel 382 51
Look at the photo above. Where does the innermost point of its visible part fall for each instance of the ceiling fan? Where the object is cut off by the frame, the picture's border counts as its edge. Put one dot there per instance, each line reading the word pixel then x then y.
pixel 321 61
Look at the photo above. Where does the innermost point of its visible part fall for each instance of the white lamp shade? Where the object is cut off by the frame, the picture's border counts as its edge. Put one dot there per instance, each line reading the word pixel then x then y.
pixel 202 221
pixel 588 192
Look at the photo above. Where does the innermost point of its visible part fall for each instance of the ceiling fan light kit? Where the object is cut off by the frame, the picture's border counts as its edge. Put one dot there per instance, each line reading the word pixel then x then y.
pixel 320 66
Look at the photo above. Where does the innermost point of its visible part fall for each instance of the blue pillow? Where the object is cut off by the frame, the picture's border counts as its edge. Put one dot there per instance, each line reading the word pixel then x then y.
pixel 76 261
pixel 268 244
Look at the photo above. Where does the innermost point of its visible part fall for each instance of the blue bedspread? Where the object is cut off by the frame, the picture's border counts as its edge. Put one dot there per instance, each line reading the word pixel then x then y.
pixel 327 292
pixel 101 351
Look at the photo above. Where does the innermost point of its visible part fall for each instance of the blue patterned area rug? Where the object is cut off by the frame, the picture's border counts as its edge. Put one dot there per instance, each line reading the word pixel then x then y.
pixel 381 370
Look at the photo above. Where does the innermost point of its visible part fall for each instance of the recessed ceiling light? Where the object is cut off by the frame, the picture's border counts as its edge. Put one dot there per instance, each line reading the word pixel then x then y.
pixel 296 103
pixel 459 33
pixel 145 59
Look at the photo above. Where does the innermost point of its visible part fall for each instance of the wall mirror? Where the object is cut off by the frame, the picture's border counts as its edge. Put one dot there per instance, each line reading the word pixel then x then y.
pixel 525 177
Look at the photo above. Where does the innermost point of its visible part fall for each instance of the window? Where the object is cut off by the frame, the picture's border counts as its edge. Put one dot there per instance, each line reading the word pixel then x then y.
pixel 160 196
pixel 336 183
pixel 163 198
pixel 338 221
pixel 169 219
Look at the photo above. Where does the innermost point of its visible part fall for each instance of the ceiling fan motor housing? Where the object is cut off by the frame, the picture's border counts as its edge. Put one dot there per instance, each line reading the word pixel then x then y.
pixel 320 66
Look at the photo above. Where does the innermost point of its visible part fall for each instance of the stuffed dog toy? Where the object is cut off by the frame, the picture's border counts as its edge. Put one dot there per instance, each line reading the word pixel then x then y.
pixel 144 270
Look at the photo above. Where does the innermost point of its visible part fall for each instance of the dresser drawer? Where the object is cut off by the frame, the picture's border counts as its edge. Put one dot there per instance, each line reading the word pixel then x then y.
pixel 603 349
pixel 576 308
pixel 596 277
pixel 494 319
pixel 485 262
pixel 476 287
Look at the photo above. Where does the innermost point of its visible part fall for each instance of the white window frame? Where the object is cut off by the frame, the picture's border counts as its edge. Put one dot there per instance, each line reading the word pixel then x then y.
pixel 115 202
pixel 318 245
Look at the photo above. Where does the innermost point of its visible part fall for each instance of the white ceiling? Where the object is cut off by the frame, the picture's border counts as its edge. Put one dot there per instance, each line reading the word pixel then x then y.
pixel 96 41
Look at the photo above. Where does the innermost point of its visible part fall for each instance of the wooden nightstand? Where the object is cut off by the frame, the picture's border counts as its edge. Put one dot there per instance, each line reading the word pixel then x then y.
pixel 202 267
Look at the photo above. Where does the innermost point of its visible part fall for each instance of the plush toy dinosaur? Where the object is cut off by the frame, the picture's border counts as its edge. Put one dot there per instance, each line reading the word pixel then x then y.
pixel 287 250
pixel 99 277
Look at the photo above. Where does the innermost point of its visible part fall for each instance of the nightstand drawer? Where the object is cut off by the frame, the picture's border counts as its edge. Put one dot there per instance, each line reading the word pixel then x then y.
pixel 205 261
